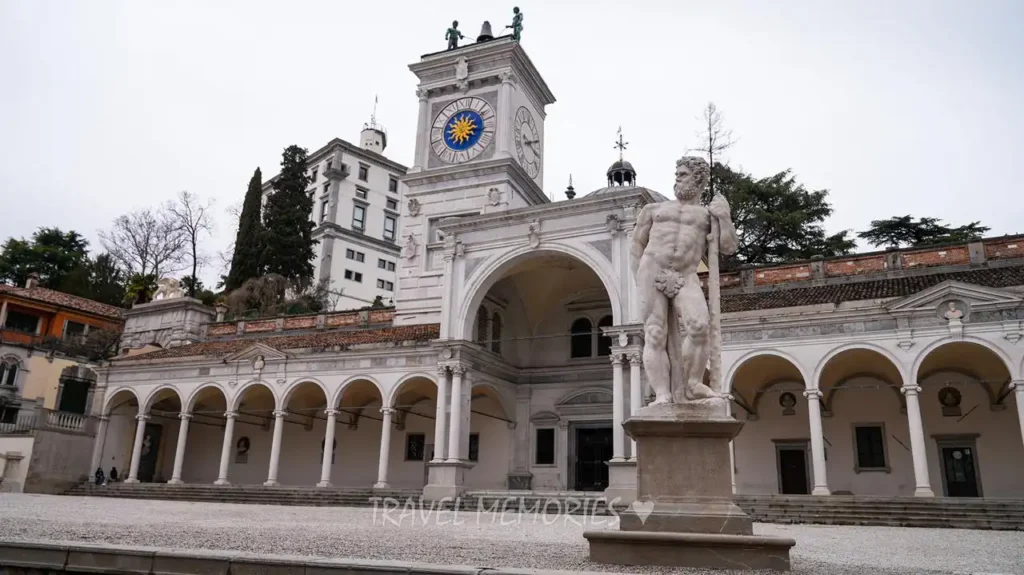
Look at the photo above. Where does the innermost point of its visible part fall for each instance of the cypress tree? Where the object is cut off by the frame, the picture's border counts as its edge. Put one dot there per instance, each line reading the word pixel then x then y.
pixel 288 237
pixel 245 262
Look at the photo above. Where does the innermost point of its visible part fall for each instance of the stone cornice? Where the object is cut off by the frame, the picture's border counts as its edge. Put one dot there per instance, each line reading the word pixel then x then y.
pixel 348 148
pixel 331 229
pixel 507 167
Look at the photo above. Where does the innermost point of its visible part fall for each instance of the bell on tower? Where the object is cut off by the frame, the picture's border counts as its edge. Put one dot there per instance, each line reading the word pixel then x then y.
pixel 621 173
pixel 373 137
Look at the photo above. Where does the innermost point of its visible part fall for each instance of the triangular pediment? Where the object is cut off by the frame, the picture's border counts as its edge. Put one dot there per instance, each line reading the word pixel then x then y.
pixel 252 352
pixel 976 296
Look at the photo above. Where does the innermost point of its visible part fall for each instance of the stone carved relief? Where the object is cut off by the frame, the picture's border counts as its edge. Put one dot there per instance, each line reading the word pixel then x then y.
pixel 533 235
pixel 410 247
pixel 414 207
pixel 462 73
pixel 494 196
pixel 612 224
pixel 952 310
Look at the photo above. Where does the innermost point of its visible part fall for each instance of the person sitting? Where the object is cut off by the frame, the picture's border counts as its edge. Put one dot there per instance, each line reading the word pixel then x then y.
pixel 100 478
pixel 113 474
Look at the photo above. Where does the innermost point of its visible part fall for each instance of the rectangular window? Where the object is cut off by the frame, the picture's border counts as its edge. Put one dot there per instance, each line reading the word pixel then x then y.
pixel 361 193
pixel 382 264
pixel 73 329
pixel 870 440
pixel 354 276
pixel 385 285
pixel 329 163
pixel 312 175
pixel 364 173
pixel 474 447
pixel 391 266
pixel 393 185
pixel 415 445
pixel 392 204
pixel 354 255
pixel 359 218
pixel 544 454
pixel 19 321
pixel 323 210
pixel 389 228
pixel 327 188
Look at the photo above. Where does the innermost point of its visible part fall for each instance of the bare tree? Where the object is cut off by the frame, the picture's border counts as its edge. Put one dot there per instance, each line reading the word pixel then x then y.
pixel 715 139
pixel 192 217
pixel 145 242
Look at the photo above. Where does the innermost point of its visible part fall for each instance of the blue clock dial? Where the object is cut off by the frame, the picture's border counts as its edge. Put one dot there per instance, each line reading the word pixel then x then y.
pixel 462 130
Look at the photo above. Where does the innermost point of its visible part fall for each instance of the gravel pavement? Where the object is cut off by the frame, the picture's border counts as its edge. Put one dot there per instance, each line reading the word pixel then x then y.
pixel 471 538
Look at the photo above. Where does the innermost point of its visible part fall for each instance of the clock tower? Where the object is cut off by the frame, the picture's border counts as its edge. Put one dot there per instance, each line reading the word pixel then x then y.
pixel 479 150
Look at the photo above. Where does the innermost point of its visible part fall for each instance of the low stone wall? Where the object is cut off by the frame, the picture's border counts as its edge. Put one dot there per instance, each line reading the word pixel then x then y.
pixel 59 461
pixel 17 557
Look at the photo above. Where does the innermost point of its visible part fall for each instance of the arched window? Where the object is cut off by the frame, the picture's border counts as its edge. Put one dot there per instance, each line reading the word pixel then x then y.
pixel 496 333
pixel 604 343
pixel 8 373
pixel 481 326
pixel 581 338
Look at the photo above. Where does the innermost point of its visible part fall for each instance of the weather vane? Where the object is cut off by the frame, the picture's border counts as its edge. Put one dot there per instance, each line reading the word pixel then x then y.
pixel 620 144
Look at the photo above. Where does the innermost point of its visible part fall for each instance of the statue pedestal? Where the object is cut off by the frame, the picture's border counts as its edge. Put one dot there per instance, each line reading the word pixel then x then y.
pixel 445 479
pixel 684 515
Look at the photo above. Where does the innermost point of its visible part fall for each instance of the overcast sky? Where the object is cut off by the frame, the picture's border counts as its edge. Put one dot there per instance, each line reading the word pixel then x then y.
pixel 896 107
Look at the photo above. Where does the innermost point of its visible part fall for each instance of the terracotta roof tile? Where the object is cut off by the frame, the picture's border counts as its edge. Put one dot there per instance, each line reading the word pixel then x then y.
pixel 324 339
pixel 65 300
pixel 781 296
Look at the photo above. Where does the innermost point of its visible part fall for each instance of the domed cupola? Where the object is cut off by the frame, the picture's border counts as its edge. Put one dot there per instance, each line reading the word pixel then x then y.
pixel 621 173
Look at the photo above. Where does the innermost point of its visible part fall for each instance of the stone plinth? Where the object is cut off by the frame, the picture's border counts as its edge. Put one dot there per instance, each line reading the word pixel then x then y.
pixel 684 515
pixel 445 479
pixel 621 483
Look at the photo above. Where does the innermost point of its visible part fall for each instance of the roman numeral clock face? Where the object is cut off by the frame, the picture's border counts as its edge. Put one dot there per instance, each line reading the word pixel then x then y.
pixel 462 130
pixel 527 139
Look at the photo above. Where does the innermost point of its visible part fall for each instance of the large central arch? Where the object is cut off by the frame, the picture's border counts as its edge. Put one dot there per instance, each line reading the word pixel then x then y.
pixel 494 269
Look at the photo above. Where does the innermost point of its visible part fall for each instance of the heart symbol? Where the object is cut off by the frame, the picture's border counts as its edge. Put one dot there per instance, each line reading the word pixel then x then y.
pixel 642 510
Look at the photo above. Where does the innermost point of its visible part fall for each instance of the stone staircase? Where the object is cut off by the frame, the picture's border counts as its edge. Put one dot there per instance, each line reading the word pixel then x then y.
pixel 997 514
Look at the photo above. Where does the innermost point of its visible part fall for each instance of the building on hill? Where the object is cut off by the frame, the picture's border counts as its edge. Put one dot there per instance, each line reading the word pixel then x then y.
pixel 356 195
pixel 50 345
pixel 514 343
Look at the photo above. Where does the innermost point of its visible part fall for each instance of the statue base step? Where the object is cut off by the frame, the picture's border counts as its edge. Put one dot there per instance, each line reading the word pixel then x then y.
pixel 695 516
pixel 707 550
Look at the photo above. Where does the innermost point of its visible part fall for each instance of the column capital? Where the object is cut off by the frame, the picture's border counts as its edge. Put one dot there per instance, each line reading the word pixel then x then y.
pixel 815 393
pixel 617 358
pixel 442 370
pixel 459 369
pixel 230 414
pixel 331 412
pixel 184 416
pixel 911 389
pixel 387 410
pixel 421 93
pixel 142 417
pixel 636 358
pixel 280 413
pixel 507 77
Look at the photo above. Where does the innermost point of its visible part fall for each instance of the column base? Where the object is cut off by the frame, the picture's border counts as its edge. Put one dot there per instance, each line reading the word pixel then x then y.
pixel 821 491
pixel 325 484
pixel 130 480
pixel 445 480
pixel 381 485
pixel 222 482
pixel 924 492
pixel 175 481
pixel 621 489
pixel 270 483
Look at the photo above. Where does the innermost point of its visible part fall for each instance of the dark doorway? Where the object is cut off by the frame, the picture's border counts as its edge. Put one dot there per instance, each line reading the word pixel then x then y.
pixel 74 395
pixel 593 450
pixel 960 472
pixel 150 451
pixel 793 471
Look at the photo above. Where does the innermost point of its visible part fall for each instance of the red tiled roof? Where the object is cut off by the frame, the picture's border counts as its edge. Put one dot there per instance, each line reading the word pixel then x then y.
pixel 64 300
pixel 324 339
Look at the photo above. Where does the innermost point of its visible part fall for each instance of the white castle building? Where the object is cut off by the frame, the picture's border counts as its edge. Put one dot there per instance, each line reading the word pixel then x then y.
pixel 512 354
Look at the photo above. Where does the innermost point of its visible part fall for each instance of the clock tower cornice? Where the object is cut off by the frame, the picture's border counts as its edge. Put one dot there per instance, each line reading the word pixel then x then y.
pixel 420 183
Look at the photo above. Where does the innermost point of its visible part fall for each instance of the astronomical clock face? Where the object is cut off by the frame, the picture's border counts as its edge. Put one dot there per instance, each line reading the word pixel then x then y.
pixel 462 130
pixel 527 138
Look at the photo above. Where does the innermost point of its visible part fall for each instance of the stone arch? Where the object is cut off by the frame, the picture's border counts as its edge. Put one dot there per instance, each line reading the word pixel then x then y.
pixel 854 346
pixel 829 398
pixel 773 367
pixel 731 374
pixel 153 395
pixel 890 371
pixel 397 389
pixel 108 404
pixel 296 384
pixel 236 399
pixel 495 394
pixel 191 402
pixel 493 269
pixel 935 345
pixel 982 375
pixel 336 399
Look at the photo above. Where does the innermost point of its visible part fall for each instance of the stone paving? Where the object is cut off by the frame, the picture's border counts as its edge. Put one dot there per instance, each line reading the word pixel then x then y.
pixel 470 538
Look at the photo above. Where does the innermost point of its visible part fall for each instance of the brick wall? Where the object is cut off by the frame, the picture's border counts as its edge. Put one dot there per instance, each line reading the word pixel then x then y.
pixel 873 263
pixel 946 256
pixel 339 319
pixel 1013 248
pixel 782 274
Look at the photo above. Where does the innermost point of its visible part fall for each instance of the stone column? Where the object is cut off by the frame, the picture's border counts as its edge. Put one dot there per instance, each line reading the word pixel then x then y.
pixel 179 452
pixel 923 486
pixel 618 433
pixel 275 448
pixel 636 399
pixel 817 443
pixel 140 433
pixel 441 416
pixel 1018 389
pixel 101 439
pixel 225 448
pixel 325 465
pixel 420 162
pixel 455 428
pixel 447 286
pixel 385 449
pixel 504 133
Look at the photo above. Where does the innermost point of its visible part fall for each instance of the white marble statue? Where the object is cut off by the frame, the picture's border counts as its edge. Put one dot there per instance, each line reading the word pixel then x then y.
pixel 167 288
pixel 669 242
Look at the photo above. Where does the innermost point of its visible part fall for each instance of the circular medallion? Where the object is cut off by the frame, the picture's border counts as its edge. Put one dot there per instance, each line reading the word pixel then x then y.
pixel 527 140
pixel 462 130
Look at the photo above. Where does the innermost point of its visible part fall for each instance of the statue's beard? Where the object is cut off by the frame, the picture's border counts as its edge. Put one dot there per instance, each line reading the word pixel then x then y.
pixel 686 194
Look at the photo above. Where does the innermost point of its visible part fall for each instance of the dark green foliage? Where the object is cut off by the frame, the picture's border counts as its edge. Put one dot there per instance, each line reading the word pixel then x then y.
pixel 51 253
pixel 195 288
pixel 264 296
pixel 905 231
pixel 246 262
pixel 288 225
pixel 140 289
pixel 777 219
